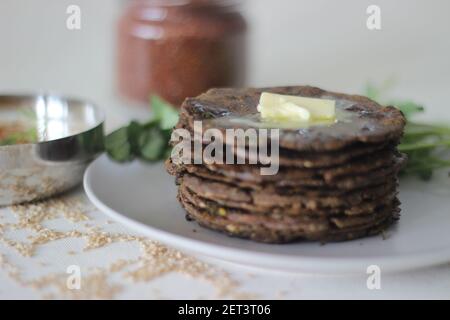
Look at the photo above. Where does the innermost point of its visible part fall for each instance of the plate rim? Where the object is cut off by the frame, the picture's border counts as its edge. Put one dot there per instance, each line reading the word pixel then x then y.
pixel 302 264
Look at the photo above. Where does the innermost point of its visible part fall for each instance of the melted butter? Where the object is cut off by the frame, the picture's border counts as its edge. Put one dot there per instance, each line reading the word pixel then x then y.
pixel 351 121
pixel 255 120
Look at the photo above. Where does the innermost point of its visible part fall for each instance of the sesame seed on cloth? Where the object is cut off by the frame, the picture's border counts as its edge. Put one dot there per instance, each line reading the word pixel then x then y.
pixel 43 243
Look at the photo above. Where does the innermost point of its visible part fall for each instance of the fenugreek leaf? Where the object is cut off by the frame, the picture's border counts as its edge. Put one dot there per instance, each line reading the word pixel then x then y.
pixel 164 113
pixel 148 141
pixel 427 145
pixel 118 146
pixel 152 144
pixel 134 131
pixel 409 108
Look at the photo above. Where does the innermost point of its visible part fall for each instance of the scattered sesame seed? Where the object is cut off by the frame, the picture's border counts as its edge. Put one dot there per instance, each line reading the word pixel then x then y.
pixel 155 260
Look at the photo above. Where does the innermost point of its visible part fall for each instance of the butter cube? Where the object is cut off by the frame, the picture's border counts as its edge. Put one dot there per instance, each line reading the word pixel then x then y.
pixel 292 108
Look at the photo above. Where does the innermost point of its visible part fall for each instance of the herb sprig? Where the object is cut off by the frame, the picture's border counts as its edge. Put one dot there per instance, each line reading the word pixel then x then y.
pixel 427 145
pixel 147 141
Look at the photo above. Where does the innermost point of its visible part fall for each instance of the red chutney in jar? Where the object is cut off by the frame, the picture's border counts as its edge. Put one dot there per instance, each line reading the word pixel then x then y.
pixel 178 49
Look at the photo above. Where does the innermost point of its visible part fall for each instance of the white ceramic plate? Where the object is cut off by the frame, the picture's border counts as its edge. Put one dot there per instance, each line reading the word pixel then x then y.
pixel 143 197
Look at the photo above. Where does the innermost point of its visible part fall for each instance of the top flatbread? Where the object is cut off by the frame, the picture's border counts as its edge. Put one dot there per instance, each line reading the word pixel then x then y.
pixel 365 121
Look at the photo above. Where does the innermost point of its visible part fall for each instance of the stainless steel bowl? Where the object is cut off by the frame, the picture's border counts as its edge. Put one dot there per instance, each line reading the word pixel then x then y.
pixel 69 135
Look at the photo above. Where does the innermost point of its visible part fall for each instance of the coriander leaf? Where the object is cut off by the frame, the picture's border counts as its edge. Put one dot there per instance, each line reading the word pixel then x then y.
pixel 164 113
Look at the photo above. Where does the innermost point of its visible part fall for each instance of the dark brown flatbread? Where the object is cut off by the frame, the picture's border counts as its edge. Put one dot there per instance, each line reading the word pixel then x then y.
pixel 310 192
pixel 266 229
pixel 347 182
pixel 368 121
pixel 227 196
pixel 291 175
pixel 324 159
pixel 285 221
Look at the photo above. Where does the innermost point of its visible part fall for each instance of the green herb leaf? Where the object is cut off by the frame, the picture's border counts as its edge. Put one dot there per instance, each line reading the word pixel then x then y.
pixel 118 146
pixel 427 145
pixel 152 144
pixel 148 141
pixel 134 131
pixel 408 108
pixel 164 113
pixel 371 91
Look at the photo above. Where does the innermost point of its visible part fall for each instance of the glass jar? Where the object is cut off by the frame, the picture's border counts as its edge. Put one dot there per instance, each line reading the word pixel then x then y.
pixel 179 48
